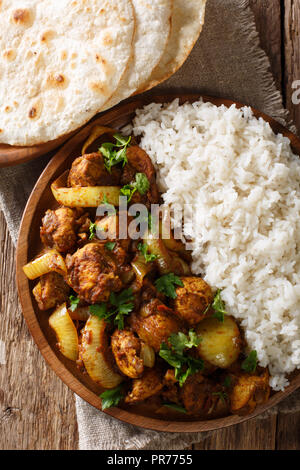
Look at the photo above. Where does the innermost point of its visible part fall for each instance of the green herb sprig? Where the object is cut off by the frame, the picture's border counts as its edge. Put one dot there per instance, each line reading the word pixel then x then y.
pixel 74 301
pixel 143 248
pixel 120 305
pixel 166 284
pixel 176 356
pixel 112 397
pixel 115 153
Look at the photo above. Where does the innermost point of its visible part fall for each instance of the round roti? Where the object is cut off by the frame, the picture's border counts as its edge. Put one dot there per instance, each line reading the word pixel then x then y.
pixel 187 23
pixel 153 26
pixel 60 61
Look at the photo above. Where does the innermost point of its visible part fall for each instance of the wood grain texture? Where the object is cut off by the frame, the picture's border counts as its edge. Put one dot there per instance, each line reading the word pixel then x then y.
pixel 36 409
pixel 10 155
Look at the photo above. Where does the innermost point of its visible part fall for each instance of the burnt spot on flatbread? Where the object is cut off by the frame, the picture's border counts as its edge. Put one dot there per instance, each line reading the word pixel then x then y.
pixel 22 17
pixel 46 36
pixel 9 55
pixel 56 80
pixel 35 110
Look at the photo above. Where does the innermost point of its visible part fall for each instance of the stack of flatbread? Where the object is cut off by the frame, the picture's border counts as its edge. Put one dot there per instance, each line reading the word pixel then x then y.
pixel 63 61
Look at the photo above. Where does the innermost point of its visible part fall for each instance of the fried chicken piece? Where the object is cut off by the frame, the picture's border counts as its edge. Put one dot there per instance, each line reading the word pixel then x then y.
pixel 148 385
pixel 50 291
pixel 62 226
pixel 89 170
pixel 126 348
pixel 249 391
pixel 140 162
pixel 196 394
pixel 155 324
pixel 92 273
pixel 192 300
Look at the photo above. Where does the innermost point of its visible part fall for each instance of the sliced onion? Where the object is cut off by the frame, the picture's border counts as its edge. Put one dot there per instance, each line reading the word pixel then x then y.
pixel 81 313
pixel 147 354
pixel 49 261
pixel 95 354
pixel 97 131
pixel 65 331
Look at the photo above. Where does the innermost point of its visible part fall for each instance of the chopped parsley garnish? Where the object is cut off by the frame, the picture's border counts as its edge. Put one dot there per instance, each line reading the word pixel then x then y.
pixel 175 355
pixel 166 284
pixel 92 230
pixel 141 184
pixel 144 250
pixel 115 153
pixel 175 407
pixel 128 190
pixel 250 363
pixel 74 301
pixel 120 305
pixel 112 397
pixel 219 307
pixel 110 245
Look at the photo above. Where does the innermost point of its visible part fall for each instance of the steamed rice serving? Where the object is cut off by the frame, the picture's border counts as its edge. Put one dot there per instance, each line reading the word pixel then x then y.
pixel 242 183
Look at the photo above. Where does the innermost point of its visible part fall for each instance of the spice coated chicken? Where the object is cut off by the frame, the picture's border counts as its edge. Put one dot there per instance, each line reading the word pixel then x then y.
pixel 128 310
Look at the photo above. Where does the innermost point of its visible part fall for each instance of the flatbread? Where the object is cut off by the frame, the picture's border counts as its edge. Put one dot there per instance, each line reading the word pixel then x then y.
pixel 153 27
pixel 60 61
pixel 187 23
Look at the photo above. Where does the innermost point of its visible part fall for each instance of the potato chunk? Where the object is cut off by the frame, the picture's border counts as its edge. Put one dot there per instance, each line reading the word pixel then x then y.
pixel 221 342
pixel 192 300
pixel 249 391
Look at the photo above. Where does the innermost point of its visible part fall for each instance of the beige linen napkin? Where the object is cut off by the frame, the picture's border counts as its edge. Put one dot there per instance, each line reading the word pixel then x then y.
pixel 227 62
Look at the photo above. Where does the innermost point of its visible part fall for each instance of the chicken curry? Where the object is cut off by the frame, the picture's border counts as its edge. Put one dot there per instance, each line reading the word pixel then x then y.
pixel 129 311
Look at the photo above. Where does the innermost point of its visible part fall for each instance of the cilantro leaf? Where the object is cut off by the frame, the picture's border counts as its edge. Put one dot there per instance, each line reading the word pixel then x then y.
pixel 142 183
pixel 112 156
pixel 166 284
pixel 180 341
pixel 227 382
pixel 100 311
pixel 143 248
pixel 92 230
pixel 120 306
pixel 175 407
pixel 110 245
pixel 123 305
pixel 250 363
pixel 128 190
pixel 74 301
pixel 112 397
pixel 222 395
pixel 219 307
pixel 183 364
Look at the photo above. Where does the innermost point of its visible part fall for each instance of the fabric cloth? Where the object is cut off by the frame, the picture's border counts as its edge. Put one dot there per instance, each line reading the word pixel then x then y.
pixel 227 62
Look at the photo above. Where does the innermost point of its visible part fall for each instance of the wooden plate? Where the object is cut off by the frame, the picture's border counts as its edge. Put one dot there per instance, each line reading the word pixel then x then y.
pixel 11 155
pixel 29 244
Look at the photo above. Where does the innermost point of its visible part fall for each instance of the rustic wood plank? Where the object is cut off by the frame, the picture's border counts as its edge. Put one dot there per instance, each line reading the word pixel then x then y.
pixel 292 56
pixel 268 22
pixel 256 434
pixel 37 410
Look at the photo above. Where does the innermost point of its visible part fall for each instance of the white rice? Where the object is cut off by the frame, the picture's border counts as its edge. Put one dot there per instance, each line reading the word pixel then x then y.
pixel 243 183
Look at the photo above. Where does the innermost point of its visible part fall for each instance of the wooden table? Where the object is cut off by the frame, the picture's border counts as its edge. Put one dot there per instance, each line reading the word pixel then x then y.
pixel 37 410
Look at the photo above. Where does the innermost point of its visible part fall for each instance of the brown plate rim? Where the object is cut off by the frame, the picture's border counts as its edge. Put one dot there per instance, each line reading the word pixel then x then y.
pixel 26 302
